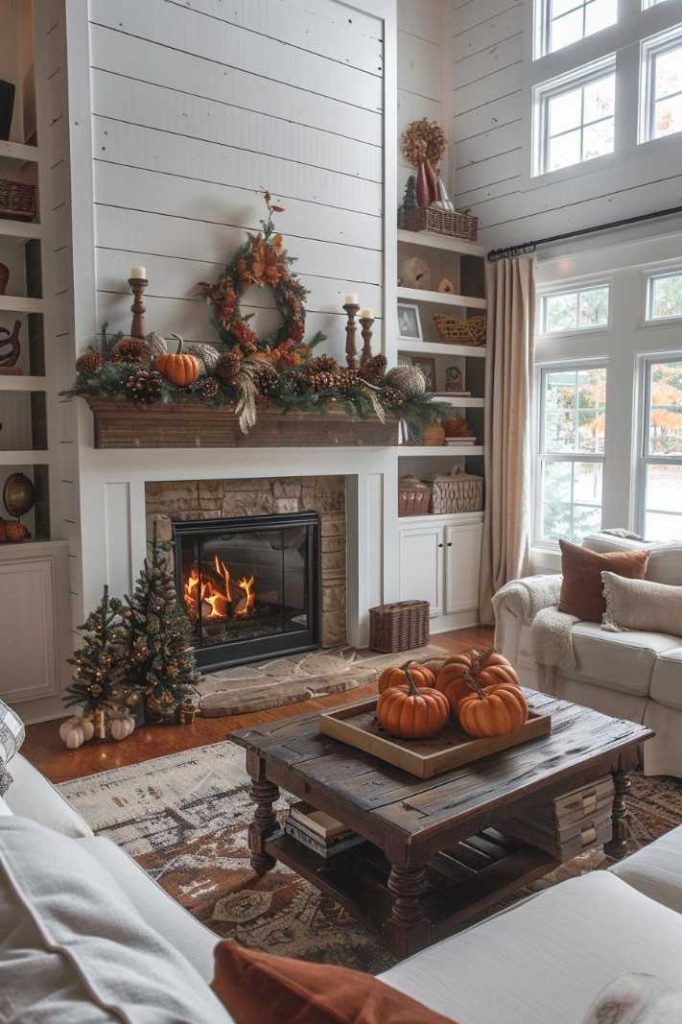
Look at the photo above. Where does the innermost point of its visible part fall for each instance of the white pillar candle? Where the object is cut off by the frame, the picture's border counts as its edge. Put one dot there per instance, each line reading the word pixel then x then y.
pixel 140 273
pixel 351 299
pixel 367 314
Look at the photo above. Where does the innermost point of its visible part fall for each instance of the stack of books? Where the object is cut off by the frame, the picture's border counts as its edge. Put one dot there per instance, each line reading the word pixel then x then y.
pixel 318 831
pixel 457 441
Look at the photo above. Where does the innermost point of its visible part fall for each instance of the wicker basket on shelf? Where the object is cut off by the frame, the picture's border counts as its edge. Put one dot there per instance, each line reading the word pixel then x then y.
pixel 455 331
pixel 399 627
pixel 457 492
pixel 18 200
pixel 443 222
pixel 414 496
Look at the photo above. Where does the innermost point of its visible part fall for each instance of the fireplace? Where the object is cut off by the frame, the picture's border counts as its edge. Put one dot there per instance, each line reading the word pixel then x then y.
pixel 250 585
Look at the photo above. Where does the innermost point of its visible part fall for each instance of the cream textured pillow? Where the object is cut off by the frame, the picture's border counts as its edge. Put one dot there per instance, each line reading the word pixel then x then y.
pixel 641 604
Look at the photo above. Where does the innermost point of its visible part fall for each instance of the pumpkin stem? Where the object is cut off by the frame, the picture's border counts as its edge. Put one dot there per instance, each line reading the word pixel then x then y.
pixel 180 343
pixel 414 689
pixel 475 686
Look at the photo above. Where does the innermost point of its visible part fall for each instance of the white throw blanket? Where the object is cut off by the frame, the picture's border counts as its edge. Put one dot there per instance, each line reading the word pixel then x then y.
pixel 536 598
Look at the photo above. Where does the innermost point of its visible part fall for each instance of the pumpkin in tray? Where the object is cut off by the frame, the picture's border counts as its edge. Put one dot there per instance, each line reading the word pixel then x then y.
pixel 396 675
pixel 485 667
pixel 412 712
pixel 492 710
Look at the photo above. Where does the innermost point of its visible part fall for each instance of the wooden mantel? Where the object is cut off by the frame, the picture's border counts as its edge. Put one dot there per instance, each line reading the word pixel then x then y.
pixel 120 424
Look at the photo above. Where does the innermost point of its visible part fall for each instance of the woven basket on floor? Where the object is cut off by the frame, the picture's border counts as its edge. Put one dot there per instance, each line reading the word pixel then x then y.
pixel 443 222
pixel 455 331
pixel 399 627
pixel 18 200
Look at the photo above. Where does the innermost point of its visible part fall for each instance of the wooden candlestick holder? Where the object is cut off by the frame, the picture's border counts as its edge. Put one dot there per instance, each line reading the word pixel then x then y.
pixel 137 327
pixel 352 309
pixel 366 330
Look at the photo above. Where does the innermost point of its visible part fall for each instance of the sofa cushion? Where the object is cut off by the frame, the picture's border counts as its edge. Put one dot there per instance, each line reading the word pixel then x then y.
pixel 73 947
pixel 33 796
pixel 665 560
pixel 642 604
pixel 548 958
pixel 656 870
pixel 581 589
pixel 666 682
pixel 618 661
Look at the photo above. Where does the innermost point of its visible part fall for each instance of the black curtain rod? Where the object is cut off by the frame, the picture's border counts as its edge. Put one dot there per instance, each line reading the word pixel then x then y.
pixel 530 247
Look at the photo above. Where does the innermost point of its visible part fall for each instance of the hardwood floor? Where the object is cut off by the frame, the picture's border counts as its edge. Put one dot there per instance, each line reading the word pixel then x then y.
pixel 46 751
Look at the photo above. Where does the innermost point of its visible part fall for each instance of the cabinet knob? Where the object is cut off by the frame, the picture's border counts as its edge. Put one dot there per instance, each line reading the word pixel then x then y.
pixel 440 545
pixel 449 543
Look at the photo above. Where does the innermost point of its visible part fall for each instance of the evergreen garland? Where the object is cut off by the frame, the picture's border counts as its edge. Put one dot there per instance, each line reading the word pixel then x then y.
pixel 100 662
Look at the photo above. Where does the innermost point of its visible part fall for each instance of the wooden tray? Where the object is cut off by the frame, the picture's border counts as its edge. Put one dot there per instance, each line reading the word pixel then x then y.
pixel 356 725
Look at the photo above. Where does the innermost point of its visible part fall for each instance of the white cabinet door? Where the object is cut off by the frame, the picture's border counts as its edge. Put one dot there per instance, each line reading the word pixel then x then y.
pixel 462 564
pixel 421 566
pixel 27 645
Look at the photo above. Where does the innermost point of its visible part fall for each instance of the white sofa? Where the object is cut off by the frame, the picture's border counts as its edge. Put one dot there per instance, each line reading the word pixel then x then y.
pixel 543 962
pixel 633 675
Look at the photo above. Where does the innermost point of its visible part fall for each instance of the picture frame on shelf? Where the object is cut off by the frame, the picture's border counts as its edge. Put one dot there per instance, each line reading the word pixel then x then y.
pixel 409 322
pixel 427 365
pixel 454 380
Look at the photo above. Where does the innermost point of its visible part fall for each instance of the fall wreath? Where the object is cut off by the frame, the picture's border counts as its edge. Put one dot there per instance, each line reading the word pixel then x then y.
pixel 262 261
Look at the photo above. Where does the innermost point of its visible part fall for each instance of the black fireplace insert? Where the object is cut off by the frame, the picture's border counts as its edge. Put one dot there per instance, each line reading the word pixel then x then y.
pixel 250 586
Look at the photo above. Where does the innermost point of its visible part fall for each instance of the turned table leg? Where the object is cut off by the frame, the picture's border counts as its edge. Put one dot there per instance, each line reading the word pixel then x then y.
pixel 264 794
pixel 408 928
pixel 620 829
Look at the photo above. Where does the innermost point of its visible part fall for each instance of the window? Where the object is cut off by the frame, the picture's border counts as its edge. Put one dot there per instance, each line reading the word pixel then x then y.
pixel 661 89
pixel 651 3
pixel 575 117
pixel 664 296
pixel 571 452
pixel 661 476
pixel 562 22
pixel 585 309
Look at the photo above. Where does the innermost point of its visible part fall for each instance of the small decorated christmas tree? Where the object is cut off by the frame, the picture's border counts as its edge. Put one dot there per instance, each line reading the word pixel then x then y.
pixel 161 664
pixel 410 194
pixel 100 662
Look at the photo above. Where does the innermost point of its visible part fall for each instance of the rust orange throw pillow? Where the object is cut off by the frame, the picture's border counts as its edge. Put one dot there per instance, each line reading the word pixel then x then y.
pixel 258 988
pixel 581 590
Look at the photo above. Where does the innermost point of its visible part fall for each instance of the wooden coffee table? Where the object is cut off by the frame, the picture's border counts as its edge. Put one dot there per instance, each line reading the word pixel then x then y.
pixel 437 852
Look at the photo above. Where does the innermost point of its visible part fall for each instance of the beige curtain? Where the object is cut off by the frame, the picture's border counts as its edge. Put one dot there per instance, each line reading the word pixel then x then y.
pixel 511 321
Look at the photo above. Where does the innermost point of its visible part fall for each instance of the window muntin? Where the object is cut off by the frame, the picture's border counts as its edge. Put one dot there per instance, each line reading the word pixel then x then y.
pixel 580 309
pixel 664 296
pixel 564 22
pixel 575 118
pixel 661 515
pixel 571 452
pixel 661 87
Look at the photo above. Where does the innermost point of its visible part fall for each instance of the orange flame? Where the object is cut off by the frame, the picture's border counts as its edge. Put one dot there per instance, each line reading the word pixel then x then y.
pixel 246 586
pixel 213 596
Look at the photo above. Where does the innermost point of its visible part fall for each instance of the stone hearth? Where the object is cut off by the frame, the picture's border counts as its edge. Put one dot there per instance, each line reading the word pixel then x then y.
pixel 166 502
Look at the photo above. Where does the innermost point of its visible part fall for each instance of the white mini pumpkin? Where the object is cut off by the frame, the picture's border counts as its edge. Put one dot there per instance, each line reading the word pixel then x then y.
pixel 76 731
pixel 122 727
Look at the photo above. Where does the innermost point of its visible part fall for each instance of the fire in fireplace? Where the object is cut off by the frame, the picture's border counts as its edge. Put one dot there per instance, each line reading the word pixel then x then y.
pixel 250 586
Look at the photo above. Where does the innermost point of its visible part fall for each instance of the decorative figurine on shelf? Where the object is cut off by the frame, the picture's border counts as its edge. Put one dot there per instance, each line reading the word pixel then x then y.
pixel 454 380
pixel 423 145
pixel 352 308
pixel 138 282
pixel 10 348
pixel 19 497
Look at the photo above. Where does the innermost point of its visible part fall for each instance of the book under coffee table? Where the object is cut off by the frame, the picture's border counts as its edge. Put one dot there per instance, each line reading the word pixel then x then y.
pixel 441 850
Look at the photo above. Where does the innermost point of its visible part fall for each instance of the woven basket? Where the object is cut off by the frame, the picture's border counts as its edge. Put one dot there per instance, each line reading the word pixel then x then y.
pixel 18 201
pixel 399 627
pixel 457 492
pixel 461 332
pixel 414 496
pixel 443 222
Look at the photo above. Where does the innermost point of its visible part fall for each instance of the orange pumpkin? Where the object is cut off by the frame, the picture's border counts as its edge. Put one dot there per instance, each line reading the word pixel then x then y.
pixel 412 712
pixel 15 532
pixel 179 367
pixel 396 675
pixel 485 667
pixel 493 710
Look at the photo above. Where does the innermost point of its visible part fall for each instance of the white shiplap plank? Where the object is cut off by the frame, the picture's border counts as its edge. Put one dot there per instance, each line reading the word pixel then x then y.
pixel 419 63
pixel 160 65
pixel 475 198
pixel 487 89
pixel 490 115
pixel 475 13
pixel 490 31
pixel 500 55
pixel 158 150
pixel 489 144
pixel 422 18
pixel 488 172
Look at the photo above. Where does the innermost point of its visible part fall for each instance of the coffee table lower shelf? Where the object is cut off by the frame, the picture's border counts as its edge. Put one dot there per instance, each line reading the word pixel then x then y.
pixel 462 882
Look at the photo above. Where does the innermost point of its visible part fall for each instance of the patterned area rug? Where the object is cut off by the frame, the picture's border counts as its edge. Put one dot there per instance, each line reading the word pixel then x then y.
pixel 184 817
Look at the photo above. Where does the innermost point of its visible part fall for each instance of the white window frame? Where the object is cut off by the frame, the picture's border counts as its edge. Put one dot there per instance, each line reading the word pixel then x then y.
pixel 543 27
pixel 644 458
pixel 650 48
pixel 541 457
pixel 652 276
pixel 545 91
pixel 646 4
pixel 577 289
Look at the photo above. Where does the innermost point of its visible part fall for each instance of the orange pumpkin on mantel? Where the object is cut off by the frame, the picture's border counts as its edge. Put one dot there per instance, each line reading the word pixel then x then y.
pixel 485 667
pixel 179 367
pixel 412 712
pixel 396 675
pixel 492 710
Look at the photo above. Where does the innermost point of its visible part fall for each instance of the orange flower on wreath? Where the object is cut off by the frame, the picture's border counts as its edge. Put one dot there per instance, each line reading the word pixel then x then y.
pixel 267 264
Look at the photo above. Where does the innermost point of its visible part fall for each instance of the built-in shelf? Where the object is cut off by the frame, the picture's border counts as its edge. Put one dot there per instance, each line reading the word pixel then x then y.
pixel 441 298
pixel 22 382
pixel 19 229
pixel 20 304
pixel 446 450
pixel 432 240
pixel 24 457
pixel 440 348
pixel 458 400
pixel 18 151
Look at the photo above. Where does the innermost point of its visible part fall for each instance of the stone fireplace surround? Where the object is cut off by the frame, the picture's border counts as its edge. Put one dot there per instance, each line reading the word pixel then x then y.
pixel 169 501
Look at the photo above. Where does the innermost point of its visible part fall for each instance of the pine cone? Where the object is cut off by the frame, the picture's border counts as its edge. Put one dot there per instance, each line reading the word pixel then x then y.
pixel 130 350
pixel 374 369
pixel 321 380
pixel 207 387
pixel 144 386
pixel 346 379
pixel 322 364
pixel 228 366
pixel 90 363
pixel 391 397
pixel 266 378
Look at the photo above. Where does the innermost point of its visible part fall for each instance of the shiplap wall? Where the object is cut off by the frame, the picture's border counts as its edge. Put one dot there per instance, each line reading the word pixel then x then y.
pixel 196 105
pixel 491 78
